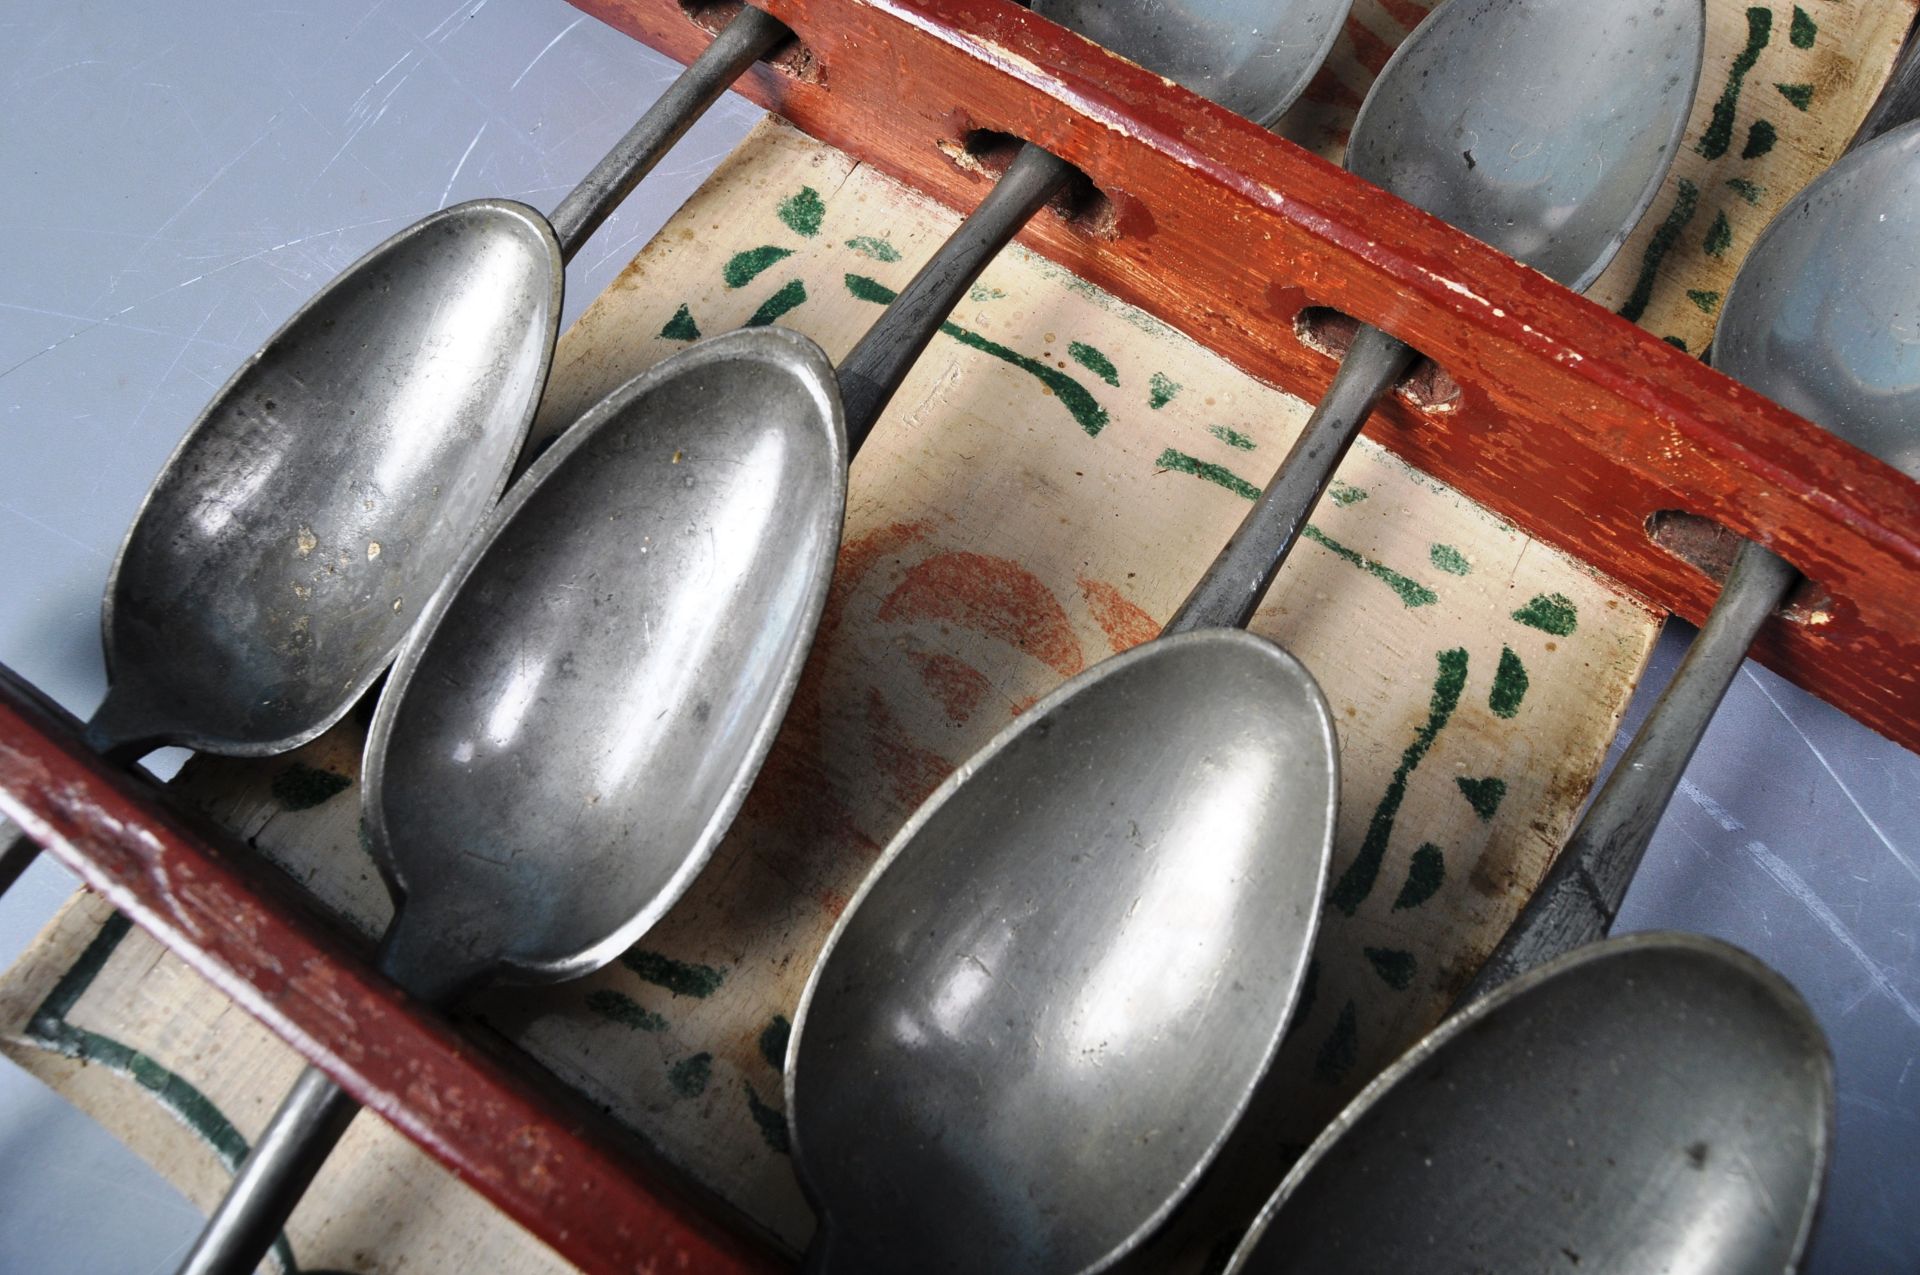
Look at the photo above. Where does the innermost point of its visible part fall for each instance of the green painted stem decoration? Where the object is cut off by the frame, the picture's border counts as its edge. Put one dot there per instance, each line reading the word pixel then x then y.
pixel 1080 404
pixel 1357 882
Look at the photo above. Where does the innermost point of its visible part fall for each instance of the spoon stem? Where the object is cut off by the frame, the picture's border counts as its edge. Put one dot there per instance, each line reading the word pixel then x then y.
pixel 21 850
pixel 877 365
pixel 272 1178
pixel 1230 592
pixel 1581 895
pixel 1899 101
pixel 746 39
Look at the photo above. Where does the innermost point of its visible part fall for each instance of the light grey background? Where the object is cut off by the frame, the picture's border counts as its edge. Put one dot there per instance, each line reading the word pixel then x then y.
pixel 175 181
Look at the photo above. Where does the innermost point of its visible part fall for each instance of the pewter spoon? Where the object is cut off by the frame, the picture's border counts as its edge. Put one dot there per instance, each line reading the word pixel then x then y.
pixel 1820 320
pixel 1815 320
pixel 1048 1007
pixel 577 718
pixel 1540 127
pixel 296 532
pixel 1657 1102
pixel 1051 1001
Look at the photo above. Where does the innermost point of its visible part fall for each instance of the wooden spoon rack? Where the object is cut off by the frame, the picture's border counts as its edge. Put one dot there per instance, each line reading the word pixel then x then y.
pixel 1579 427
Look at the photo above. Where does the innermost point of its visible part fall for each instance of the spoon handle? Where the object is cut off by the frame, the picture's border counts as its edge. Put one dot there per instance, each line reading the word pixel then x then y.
pixel 1582 893
pixel 874 368
pixel 272 1178
pixel 1230 592
pixel 19 855
pixel 746 39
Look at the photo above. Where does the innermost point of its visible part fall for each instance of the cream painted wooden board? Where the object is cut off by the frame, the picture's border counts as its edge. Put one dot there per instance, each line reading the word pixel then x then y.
pixel 125 1031
pixel 1784 87
pixel 1055 474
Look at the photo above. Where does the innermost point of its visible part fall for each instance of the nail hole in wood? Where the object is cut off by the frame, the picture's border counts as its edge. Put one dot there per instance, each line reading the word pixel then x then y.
pixel 790 57
pixel 1709 548
pixel 1427 386
pixel 1083 205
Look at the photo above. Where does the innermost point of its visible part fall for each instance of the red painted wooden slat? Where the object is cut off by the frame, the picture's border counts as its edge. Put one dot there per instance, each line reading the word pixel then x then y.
pixel 1573 423
pixel 544 1157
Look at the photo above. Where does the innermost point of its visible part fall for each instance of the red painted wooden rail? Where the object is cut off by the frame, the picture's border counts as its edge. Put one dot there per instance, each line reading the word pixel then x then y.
pixel 1573 423
pixel 540 1154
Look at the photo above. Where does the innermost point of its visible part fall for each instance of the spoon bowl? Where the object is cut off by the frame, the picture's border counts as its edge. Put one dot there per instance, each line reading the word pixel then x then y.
pixel 1660 1102
pixel 1823 318
pixel 1063 979
pixel 1253 57
pixel 1558 173
pixel 559 751
pixel 298 531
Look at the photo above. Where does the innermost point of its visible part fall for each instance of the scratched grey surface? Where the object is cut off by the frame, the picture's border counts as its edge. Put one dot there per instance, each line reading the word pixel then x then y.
pixel 175 181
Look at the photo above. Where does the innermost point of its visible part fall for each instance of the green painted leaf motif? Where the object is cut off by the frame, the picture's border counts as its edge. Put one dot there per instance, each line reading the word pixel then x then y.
pixel 620 1008
pixel 1760 140
pixel 689 1076
pixel 792 295
pixel 1801 34
pixel 1162 390
pixel 769 1120
pixel 878 249
pixel 1395 968
pixel 302 787
pixel 1550 613
pixel 1801 95
pixel 49 1028
pixel 1426 873
pixel 1449 560
pixel 681 326
pixel 1484 795
pixel 744 267
pixel 773 1042
pixel 681 978
pixel 1232 438
pixel 1719 236
pixel 1703 300
pixel 1411 592
pixel 1345 494
pixel 1510 685
pixel 803 212
pixel 1340 1050
pixel 1094 361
